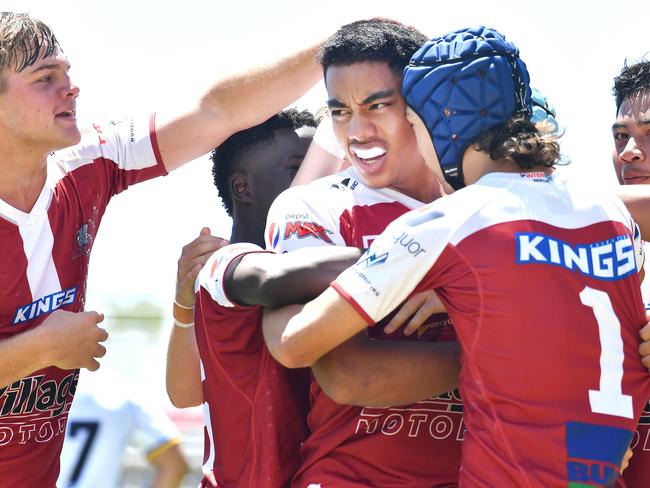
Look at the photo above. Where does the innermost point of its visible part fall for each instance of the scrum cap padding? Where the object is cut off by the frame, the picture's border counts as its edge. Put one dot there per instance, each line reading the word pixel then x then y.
pixel 461 85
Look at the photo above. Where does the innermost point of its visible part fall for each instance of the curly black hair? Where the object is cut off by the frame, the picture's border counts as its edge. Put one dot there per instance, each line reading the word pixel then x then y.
pixel 631 82
pixel 379 40
pixel 227 155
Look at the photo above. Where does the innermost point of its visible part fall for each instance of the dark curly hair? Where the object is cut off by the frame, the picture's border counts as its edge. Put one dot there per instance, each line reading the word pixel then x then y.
pixel 379 40
pixel 522 142
pixel 23 41
pixel 225 158
pixel 631 82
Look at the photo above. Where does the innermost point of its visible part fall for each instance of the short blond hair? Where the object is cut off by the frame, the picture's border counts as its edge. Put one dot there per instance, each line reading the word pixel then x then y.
pixel 23 41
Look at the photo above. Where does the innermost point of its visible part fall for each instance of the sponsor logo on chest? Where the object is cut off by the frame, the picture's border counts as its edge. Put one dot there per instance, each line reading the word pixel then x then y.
pixel 44 305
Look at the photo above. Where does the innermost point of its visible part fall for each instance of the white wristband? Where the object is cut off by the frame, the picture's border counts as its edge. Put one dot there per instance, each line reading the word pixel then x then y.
pixel 184 307
pixel 183 325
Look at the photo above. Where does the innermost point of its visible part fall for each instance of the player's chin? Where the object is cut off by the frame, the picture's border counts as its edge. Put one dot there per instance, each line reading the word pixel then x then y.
pixel 376 181
pixel 69 138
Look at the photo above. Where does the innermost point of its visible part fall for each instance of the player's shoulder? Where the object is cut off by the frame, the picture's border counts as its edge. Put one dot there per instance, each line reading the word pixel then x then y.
pixel 211 276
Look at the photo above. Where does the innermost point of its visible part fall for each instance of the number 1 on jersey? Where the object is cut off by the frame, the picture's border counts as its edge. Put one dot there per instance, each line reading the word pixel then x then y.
pixel 609 399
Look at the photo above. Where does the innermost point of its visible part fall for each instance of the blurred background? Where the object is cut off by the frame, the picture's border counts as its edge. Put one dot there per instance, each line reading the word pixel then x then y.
pixel 133 57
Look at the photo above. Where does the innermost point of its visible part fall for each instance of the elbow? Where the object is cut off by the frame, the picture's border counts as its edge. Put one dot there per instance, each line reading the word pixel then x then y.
pixel 291 360
pixel 182 399
pixel 289 355
pixel 340 392
pixel 340 383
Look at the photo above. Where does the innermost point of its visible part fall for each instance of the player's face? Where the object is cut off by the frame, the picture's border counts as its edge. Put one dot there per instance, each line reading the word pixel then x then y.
pixel 631 133
pixel 426 149
pixel 274 165
pixel 37 108
pixel 368 117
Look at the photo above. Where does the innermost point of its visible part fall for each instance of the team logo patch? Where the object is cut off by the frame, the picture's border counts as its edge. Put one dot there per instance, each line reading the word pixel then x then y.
pixel 84 240
pixel 302 229
pixel 612 259
pixel 594 453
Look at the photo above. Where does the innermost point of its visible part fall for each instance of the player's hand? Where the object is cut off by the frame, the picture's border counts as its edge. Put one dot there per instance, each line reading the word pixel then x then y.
pixel 193 257
pixel 644 348
pixel 626 459
pixel 74 339
pixel 420 306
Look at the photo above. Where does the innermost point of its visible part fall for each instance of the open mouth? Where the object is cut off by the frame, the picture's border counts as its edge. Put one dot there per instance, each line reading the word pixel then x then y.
pixel 66 114
pixel 369 155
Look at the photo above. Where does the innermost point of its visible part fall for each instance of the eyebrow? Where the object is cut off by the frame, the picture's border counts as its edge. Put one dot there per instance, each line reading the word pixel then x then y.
pixel 44 67
pixel 335 103
pixel 640 123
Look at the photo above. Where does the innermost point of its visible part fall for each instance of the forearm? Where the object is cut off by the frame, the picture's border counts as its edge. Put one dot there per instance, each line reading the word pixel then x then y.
pixel 378 373
pixel 171 468
pixel 183 377
pixel 233 104
pixel 637 200
pixel 298 341
pixel 250 98
pixel 275 280
pixel 23 354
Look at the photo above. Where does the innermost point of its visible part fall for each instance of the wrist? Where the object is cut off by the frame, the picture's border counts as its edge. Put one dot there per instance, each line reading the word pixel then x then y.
pixel 183 314
pixel 40 346
pixel 183 325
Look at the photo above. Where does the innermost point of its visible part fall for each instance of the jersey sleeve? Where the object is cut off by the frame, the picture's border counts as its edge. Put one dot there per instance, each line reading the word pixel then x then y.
pixel 295 220
pixel 115 155
pixel 325 138
pixel 395 263
pixel 211 277
pixel 639 251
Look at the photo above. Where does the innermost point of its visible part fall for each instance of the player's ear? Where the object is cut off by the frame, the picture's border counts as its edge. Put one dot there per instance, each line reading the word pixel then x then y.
pixel 240 188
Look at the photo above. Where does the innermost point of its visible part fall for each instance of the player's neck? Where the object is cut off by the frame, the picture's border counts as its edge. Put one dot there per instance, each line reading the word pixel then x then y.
pixel 477 164
pixel 424 187
pixel 246 228
pixel 23 172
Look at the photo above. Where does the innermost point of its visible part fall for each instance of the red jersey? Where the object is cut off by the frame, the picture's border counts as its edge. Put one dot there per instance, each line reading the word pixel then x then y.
pixel 539 277
pixel 44 265
pixel 637 475
pixel 412 446
pixel 254 409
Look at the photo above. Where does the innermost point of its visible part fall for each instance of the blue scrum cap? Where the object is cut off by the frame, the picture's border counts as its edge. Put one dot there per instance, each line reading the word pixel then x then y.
pixel 462 84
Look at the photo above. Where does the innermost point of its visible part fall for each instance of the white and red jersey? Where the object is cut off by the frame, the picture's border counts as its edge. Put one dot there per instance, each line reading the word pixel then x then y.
pixel 414 445
pixel 44 265
pixel 638 472
pixel 107 413
pixel 539 276
pixel 254 409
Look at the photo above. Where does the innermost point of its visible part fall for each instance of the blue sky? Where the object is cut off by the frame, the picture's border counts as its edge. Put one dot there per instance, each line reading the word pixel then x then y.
pixel 132 57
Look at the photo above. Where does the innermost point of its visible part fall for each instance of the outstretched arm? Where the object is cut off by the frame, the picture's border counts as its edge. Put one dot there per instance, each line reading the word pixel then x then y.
pixel 374 373
pixel 274 280
pixel 369 372
pixel 298 337
pixel 236 103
